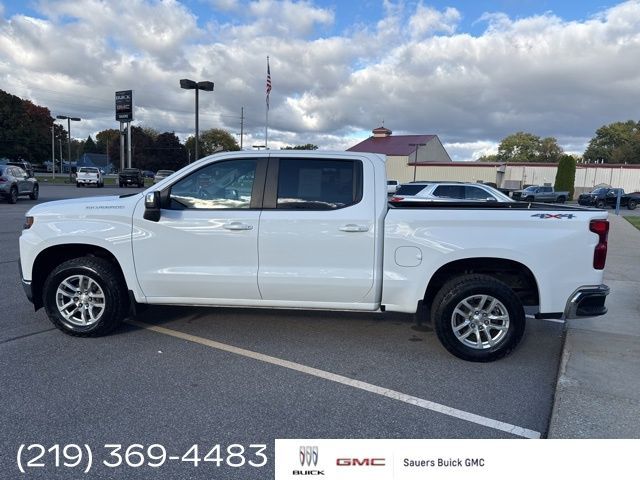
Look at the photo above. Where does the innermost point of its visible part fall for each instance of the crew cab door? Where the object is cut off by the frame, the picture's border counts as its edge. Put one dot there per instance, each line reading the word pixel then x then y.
pixel 317 231
pixel 204 248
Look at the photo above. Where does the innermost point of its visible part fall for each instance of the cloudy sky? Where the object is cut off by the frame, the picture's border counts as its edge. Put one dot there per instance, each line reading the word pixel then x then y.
pixel 469 71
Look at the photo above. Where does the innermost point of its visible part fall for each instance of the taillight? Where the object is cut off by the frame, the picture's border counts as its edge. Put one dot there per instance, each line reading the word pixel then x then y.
pixel 601 228
pixel 395 199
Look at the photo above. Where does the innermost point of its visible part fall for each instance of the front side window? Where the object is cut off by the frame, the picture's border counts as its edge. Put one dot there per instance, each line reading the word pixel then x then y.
pixel 216 186
pixel 317 184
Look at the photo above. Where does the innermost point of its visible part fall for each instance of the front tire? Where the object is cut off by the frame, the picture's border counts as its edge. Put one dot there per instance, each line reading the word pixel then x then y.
pixel 85 297
pixel 478 318
pixel 601 204
pixel 35 193
pixel 632 204
pixel 561 199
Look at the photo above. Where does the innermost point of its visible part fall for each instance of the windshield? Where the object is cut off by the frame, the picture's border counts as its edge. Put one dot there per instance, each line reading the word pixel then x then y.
pixel 530 189
pixel 598 191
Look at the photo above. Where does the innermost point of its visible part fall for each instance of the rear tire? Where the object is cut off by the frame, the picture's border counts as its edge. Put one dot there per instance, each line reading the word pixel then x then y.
pixel 85 297
pixel 478 318
pixel 13 195
pixel 35 193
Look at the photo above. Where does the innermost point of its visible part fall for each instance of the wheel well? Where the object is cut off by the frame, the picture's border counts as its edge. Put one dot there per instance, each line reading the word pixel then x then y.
pixel 51 257
pixel 514 274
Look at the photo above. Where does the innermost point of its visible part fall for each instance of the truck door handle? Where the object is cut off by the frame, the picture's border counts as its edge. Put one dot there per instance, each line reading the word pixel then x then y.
pixel 352 227
pixel 237 226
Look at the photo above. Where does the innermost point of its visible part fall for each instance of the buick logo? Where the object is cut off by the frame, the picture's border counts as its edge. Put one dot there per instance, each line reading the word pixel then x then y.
pixel 308 456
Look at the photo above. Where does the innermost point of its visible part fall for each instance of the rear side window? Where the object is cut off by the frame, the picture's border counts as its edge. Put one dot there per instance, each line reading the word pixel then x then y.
pixel 476 193
pixel 410 189
pixel 318 184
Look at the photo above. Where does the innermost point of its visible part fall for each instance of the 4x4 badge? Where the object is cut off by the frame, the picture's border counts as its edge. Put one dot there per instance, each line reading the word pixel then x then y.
pixel 559 216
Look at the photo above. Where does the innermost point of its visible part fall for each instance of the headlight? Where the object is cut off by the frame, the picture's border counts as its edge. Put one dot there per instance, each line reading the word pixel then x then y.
pixel 28 221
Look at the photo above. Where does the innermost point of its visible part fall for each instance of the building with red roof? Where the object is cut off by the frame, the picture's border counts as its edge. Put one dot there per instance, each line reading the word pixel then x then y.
pixel 403 151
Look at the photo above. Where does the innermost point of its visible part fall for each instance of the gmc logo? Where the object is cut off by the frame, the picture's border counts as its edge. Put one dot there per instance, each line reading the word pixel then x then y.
pixel 360 462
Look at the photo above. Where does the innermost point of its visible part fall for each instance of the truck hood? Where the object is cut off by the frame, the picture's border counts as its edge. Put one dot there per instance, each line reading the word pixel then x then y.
pixel 87 206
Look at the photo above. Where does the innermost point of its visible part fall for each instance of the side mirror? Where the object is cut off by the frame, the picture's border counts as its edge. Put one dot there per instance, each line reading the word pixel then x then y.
pixel 152 206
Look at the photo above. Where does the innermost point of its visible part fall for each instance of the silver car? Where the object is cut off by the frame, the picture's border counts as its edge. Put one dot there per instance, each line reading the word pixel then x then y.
pixel 14 182
pixel 161 175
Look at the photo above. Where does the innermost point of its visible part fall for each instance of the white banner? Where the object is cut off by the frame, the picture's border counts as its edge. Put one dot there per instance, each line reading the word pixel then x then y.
pixel 455 459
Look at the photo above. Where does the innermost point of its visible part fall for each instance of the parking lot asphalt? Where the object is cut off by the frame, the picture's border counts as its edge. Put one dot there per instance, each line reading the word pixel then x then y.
pixel 143 386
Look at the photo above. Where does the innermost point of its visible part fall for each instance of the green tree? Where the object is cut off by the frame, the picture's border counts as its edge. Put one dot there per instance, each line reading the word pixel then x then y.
pixel 90 146
pixel 550 151
pixel 526 147
pixel 104 139
pixel 212 141
pixel 25 129
pixel 618 142
pixel 306 146
pixel 488 158
pixel 566 174
pixel 170 154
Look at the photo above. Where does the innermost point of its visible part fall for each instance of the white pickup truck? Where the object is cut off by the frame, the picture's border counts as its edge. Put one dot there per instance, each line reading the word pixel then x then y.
pixel 313 230
pixel 89 176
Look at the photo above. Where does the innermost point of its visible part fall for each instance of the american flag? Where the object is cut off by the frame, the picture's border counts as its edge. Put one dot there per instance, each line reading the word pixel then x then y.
pixel 268 82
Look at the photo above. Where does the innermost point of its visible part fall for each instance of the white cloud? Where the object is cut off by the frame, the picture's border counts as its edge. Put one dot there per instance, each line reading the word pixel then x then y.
pixel 413 68
pixel 428 20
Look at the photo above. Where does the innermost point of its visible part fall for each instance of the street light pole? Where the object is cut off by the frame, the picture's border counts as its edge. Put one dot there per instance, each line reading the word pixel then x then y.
pixel 193 85
pixel 415 163
pixel 68 119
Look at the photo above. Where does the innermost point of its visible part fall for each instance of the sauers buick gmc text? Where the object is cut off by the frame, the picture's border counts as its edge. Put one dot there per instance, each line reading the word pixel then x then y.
pixel 315 231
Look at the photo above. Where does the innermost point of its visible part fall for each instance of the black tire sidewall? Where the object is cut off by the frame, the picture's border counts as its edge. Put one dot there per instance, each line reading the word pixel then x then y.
pixel 453 293
pixel 632 204
pixel 35 193
pixel 102 273
pixel 13 195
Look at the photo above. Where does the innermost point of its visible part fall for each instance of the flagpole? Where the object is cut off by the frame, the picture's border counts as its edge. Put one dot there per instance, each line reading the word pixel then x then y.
pixel 266 119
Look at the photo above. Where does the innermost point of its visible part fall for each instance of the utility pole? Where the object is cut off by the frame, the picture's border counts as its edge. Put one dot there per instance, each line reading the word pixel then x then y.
pixel 53 154
pixel 415 163
pixel 241 126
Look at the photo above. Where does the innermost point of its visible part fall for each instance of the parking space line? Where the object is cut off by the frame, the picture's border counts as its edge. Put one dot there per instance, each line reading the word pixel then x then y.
pixel 385 392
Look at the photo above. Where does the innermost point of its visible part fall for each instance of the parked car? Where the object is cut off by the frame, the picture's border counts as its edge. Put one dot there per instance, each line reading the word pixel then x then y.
pixel 148 174
pixel 14 181
pixel 392 186
pixel 313 230
pixel 89 176
pixel 161 175
pixel 540 193
pixel 448 191
pixel 603 197
pixel 23 164
pixel 131 176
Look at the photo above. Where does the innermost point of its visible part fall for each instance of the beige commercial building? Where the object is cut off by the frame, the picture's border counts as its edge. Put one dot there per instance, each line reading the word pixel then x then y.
pixel 423 157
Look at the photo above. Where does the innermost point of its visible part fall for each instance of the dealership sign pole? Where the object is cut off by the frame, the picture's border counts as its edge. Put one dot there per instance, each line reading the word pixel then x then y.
pixel 124 114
